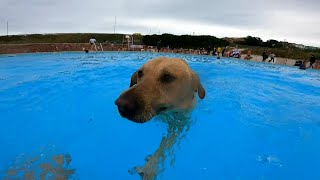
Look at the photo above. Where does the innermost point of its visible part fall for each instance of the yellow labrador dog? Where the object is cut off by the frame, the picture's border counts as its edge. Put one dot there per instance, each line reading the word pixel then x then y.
pixel 162 84
pixel 159 86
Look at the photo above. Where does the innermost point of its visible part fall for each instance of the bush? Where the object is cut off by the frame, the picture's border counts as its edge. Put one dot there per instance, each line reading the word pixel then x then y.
pixel 184 41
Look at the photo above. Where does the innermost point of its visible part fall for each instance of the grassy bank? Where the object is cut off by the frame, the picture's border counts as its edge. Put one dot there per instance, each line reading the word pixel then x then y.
pixel 65 38
pixel 173 41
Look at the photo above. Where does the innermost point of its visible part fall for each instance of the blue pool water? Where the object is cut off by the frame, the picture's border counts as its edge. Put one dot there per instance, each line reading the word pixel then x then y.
pixel 257 121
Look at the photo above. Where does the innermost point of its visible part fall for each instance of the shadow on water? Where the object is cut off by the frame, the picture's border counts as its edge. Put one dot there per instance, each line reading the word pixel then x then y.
pixel 178 126
pixel 47 164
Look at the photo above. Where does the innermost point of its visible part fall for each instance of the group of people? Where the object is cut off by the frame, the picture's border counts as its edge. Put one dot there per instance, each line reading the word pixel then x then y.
pixel 270 55
pixel 216 51
pixel 312 60
pixel 221 52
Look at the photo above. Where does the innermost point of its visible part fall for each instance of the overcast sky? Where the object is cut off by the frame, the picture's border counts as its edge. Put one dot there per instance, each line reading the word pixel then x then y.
pixel 292 20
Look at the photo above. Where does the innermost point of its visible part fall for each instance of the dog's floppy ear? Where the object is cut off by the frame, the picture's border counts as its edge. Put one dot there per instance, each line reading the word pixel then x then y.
pixel 197 86
pixel 134 79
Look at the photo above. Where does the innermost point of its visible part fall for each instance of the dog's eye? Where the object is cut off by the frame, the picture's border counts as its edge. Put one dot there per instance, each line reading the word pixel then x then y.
pixel 140 74
pixel 167 78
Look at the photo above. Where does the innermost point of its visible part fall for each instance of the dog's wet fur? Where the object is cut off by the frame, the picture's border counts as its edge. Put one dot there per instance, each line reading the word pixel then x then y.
pixel 161 84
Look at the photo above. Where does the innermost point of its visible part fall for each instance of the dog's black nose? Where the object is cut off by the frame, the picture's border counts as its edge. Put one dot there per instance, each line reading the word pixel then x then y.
pixel 126 107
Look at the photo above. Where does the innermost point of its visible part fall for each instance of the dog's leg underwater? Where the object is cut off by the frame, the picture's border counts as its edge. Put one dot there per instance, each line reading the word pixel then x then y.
pixel 177 130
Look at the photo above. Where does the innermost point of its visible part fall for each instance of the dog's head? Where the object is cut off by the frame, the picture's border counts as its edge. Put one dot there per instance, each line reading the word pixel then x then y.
pixel 159 85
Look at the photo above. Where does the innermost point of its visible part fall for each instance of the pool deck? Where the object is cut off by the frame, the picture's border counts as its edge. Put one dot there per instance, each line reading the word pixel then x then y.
pixel 281 61
pixel 63 47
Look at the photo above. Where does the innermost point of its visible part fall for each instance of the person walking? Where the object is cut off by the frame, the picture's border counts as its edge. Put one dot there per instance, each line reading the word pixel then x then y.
pixel 312 61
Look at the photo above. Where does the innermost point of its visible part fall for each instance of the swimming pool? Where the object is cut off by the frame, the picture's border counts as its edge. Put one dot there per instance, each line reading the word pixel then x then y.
pixel 257 121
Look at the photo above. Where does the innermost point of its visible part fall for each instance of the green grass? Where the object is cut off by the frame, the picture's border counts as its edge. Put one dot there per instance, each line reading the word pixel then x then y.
pixel 65 38
pixel 293 53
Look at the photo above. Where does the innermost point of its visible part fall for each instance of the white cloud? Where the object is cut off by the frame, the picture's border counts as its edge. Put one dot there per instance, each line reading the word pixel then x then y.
pixel 293 20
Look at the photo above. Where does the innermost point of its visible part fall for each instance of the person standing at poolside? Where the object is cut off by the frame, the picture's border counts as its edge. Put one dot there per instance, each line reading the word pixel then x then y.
pixel 219 50
pixel 272 56
pixel 312 61
pixel 249 52
pixel 159 45
pixel 92 43
pixel 209 50
pixel 264 56
pixel 248 57
pixel 223 51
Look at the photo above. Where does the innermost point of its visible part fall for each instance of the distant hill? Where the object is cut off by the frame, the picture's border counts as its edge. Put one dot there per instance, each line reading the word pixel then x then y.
pixel 234 40
pixel 282 49
pixel 65 38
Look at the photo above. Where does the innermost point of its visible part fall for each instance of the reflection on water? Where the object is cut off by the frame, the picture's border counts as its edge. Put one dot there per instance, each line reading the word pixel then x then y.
pixel 270 159
pixel 178 125
pixel 44 165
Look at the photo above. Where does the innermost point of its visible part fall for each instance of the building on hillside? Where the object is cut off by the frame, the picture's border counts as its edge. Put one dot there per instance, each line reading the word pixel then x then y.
pixel 301 46
pixel 311 48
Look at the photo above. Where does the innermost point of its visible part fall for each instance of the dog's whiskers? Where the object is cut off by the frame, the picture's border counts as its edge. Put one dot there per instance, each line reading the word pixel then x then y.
pixel 150 114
